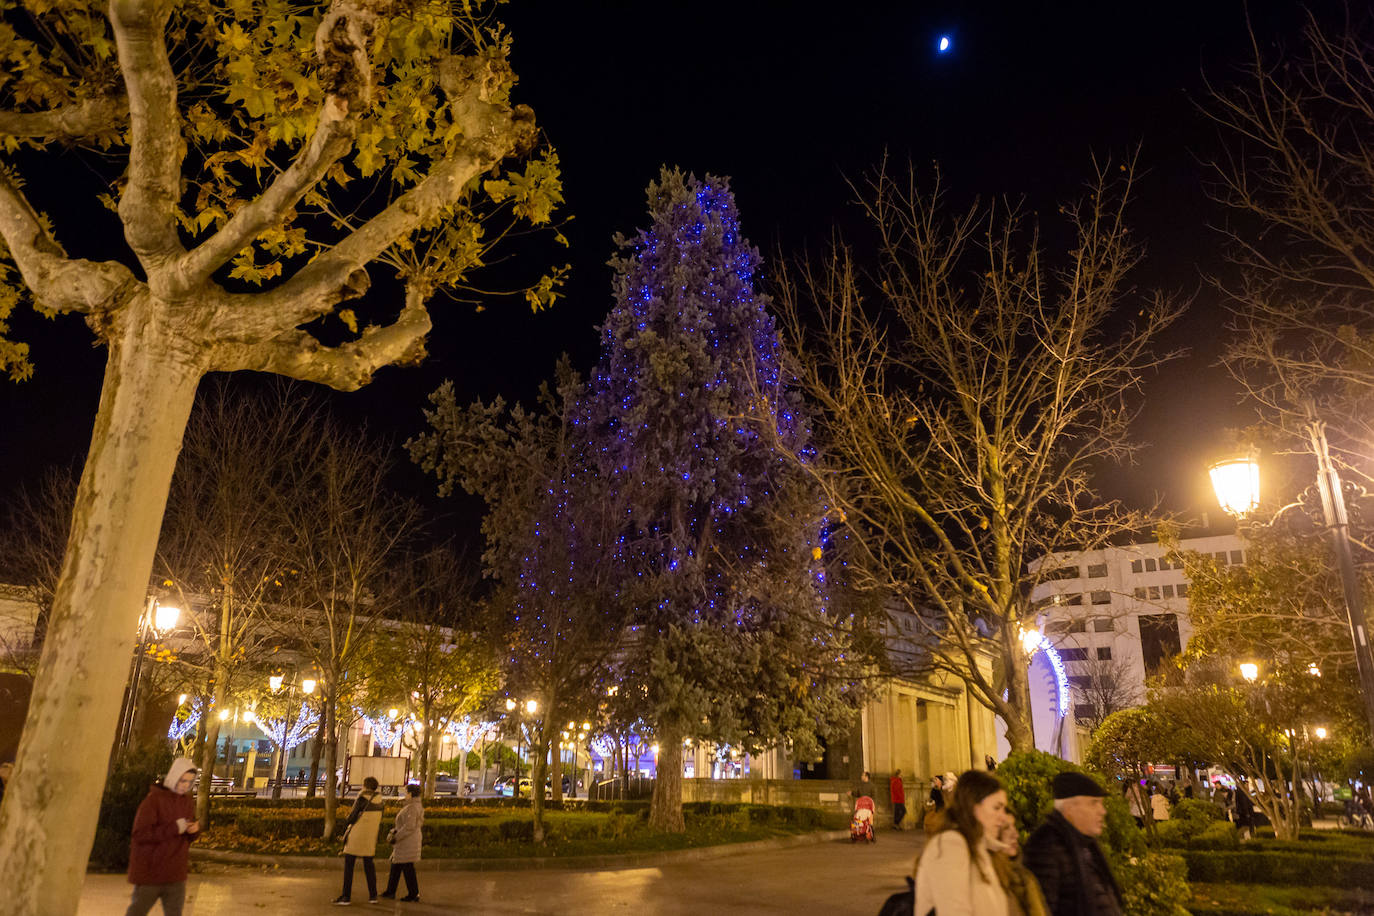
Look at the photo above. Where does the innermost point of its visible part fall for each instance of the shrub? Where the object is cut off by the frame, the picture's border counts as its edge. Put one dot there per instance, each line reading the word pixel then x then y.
pixel 1154 884
pixel 134 772
pixel 1197 824
pixel 1027 776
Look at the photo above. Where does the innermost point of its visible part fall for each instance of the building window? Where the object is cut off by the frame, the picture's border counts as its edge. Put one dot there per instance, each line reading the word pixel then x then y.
pixel 1182 589
pixel 1081 681
pixel 1237 557
pixel 1137 566
pixel 1102 597
pixel 1150 565
pixel 1097 570
pixel 1055 627
pixel 1103 625
pixel 1063 572
pixel 1168 591
pixel 1220 557
pixel 1084 711
pixel 1159 640
pixel 1154 592
pixel 1104 653
pixel 1140 593
pixel 1074 655
pixel 1073 600
pixel 1078 626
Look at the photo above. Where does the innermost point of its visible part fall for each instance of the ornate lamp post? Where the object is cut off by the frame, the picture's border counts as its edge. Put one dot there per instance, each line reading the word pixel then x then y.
pixel 161 619
pixel 1237 482
pixel 307 686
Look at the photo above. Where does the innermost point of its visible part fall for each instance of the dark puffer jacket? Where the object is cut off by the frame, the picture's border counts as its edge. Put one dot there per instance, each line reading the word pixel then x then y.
pixel 1073 873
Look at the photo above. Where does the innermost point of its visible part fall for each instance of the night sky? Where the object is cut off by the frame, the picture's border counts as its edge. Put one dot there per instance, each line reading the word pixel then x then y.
pixel 789 99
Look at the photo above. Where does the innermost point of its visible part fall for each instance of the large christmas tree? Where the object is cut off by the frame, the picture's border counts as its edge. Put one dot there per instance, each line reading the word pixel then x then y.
pixel 734 643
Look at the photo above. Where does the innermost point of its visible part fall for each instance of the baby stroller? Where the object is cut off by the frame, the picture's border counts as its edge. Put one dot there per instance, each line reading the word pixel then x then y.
pixel 861 824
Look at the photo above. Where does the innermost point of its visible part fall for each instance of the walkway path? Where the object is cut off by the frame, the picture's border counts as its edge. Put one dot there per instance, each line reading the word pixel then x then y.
pixel 832 877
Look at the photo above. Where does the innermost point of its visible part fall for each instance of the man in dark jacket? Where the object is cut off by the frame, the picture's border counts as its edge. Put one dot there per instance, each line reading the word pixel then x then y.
pixel 864 787
pixel 1064 856
pixel 160 848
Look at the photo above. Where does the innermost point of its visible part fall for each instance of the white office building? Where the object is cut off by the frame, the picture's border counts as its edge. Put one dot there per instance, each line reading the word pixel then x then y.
pixel 1110 617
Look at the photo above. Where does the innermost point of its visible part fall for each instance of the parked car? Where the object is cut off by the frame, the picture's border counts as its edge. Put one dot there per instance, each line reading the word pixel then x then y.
pixel 508 789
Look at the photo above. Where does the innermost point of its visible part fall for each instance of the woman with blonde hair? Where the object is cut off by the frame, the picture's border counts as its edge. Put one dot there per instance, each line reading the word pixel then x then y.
pixel 955 875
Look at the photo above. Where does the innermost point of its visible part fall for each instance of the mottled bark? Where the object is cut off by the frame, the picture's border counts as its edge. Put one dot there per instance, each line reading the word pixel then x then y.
pixel 665 811
pixel 50 806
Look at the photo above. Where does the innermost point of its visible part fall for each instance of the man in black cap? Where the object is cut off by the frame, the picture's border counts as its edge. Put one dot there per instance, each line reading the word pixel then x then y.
pixel 1064 856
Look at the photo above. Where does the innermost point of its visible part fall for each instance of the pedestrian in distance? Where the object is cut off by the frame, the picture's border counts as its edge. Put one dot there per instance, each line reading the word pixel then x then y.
pixel 864 788
pixel 360 841
pixel 897 790
pixel 935 806
pixel 1159 806
pixel 405 847
pixel 1064 856
pixel 954 872
pixel 165 826
pixel 1245 814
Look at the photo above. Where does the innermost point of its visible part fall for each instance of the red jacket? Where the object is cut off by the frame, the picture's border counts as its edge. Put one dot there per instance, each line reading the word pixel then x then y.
pixel 894 785
pixel 158 852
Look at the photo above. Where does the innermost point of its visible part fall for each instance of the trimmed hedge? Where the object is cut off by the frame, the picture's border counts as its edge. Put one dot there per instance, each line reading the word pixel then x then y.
pixel 460 827
pixel 1284 867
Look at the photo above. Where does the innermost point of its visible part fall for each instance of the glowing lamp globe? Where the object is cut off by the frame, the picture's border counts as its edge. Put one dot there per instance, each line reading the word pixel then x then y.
pixel 944 44
pixel 1320 733
pixel 531 706
pixel 510 706
pixel 166 617
pixel 1250 671
pixel 275 682
pixel 1237 485
pixel 308 685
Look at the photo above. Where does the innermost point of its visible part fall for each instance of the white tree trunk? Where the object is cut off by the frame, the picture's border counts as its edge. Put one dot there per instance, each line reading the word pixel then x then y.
pixel 49 815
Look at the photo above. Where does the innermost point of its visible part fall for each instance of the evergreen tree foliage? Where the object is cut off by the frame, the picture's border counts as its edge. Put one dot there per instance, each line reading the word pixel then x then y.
pixel 734 640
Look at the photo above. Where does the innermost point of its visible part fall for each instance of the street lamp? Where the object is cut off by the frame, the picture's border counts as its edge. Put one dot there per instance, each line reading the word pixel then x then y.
pixel 1320 732
pixel 276 682
pixel 530 707
pixel 1239 500
pixel 1249 671
pixel 160 618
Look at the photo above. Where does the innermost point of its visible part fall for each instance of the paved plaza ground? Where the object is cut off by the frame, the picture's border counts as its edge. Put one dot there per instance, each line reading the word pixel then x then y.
pixel 832 877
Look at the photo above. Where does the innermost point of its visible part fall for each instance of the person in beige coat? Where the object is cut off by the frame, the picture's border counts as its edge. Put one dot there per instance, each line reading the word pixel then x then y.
pixel 360 840
pixel 405 848
pixel 955 874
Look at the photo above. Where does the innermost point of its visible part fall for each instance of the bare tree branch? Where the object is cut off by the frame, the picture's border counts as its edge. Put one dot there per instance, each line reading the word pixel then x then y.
pixel 86 118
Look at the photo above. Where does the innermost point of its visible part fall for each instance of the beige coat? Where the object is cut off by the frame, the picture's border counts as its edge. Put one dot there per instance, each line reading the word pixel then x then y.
pixel 365 822
pixel 405 836
pixel 948 881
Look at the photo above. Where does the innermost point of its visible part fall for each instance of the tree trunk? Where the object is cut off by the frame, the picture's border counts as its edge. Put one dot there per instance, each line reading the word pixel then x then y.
pixel 1016 711
pixel 315 753
pixel 209 756
pixel 538 771
pixel 49 815
pixel 665 811
pixel 482 766
pixel 556 755
pixel 331 766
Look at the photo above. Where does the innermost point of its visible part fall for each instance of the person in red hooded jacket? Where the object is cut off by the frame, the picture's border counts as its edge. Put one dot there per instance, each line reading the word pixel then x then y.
pixel 160 847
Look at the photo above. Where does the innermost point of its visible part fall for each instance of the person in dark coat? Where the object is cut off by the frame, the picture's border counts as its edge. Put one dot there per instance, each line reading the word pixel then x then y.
pixel 160 845
pixel 360 840
pixel 1245 814
pixel 864 787
pixel 1064 856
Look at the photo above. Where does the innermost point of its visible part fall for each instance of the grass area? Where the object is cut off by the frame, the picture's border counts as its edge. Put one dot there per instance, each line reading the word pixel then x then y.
pixel 507 832
pixel 1229 899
